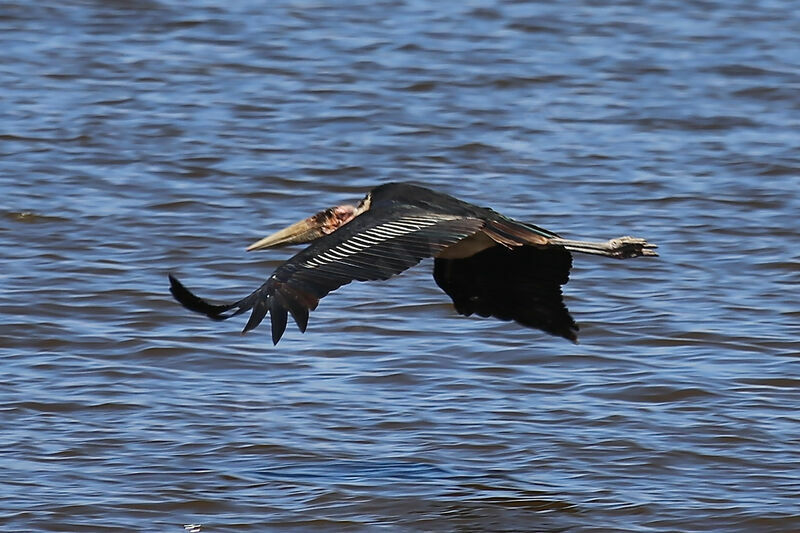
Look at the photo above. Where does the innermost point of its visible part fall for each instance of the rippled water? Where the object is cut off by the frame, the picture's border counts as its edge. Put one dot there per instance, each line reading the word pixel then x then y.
pixel 139 138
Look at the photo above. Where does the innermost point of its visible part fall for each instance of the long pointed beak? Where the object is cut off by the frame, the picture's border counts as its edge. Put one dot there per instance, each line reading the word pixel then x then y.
pixel 307 230
pixel 303 231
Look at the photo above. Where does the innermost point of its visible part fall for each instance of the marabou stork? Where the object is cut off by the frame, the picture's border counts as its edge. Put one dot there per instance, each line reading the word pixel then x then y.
pixel 487 263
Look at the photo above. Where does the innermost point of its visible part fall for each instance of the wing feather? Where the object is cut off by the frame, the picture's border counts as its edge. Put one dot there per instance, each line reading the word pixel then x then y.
pixel 371 249
pixel 373 246
pixel 521 284
pixel 278 316
pixel 260 308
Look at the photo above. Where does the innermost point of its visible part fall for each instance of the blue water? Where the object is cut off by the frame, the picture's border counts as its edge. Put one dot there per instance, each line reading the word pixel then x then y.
pixel 144 138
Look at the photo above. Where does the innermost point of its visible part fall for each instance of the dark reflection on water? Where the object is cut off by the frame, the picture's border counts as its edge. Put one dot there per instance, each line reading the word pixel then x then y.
pixel 141 138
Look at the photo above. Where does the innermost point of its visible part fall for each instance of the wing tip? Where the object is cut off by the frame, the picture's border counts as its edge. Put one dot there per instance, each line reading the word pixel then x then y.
pixel 192 302
pixel 261 302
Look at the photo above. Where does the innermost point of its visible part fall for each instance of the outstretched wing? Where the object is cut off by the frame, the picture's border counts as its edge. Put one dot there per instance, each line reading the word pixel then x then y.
pixel 371 247
pixel 521 284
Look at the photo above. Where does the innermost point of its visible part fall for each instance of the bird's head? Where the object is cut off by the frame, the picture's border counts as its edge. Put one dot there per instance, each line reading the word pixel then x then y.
pixel 313 227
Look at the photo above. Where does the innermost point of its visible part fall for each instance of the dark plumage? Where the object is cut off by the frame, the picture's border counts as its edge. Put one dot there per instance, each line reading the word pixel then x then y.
pixel 489 264
pixel 522 284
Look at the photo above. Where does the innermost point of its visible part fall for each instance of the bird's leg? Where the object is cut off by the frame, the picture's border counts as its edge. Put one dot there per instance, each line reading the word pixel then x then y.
pixel 620 248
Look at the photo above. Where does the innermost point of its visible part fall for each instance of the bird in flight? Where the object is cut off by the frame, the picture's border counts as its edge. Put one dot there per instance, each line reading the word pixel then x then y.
pixel 489 264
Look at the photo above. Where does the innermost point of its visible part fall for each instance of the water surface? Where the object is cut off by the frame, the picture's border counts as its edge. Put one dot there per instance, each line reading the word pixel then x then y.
pixel 148 137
